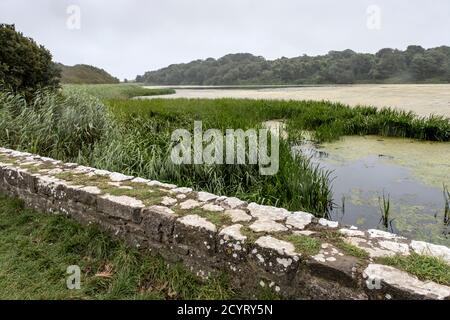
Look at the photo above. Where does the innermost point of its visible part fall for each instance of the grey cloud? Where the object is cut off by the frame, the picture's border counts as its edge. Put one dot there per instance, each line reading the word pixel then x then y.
pixel 129 37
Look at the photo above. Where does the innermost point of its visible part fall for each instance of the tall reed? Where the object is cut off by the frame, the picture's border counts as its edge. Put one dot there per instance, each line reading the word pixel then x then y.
pixel 77 127
pixel 446 193
pixel 385 208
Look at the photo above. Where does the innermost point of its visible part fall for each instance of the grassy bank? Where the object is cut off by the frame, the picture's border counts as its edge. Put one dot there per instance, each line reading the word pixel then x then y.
pixel 36 249
pixel 115 91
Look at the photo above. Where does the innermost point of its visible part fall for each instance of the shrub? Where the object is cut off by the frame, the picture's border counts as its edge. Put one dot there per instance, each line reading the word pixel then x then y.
pixel 25 66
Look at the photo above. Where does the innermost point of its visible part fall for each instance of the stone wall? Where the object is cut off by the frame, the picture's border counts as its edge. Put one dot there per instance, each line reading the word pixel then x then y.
pixel 292 253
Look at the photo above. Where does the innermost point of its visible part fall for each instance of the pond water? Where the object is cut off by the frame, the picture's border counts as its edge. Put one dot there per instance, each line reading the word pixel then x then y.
pixel 411 173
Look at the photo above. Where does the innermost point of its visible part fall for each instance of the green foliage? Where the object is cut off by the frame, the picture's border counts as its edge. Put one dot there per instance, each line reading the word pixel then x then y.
pixel 85 74
pixel 389 62
pixel 415 64
pixel 36 249
pixel 24 65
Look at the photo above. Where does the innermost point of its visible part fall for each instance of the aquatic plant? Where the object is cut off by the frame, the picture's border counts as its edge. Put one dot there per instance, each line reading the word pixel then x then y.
pixel 446 194
pixel 385 209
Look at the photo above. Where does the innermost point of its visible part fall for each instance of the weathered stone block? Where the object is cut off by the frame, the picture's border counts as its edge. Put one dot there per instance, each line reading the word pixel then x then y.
pixel 87 195
pixel 35 201
pixel 29 181
pixel 276 257
pixel 134 235
pixel 158 223
pixel 385 282
pixel 341 269
pixel 51 187
pixel 197 235
pixel 233 248
pixel 309 286
pixel 11 176
pixel 123 207
pixel 268 212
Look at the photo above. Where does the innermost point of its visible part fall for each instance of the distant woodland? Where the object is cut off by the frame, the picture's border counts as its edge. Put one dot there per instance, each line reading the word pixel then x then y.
pixel 413 65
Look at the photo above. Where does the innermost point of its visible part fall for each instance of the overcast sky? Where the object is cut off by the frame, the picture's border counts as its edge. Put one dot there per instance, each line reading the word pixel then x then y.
pixel 129 37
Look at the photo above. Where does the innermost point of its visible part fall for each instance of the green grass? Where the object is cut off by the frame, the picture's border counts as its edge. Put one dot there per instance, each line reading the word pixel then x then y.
pixel 148 196
pixel 303 244
pixel 424 267
pixel 146 146
pixel 309 246
pixel 251 235
pixel 219 219
pixel 115 91
pixel 337 239
pixel 36 249
pixel 267 293
pixel 84 179
pixel 352 250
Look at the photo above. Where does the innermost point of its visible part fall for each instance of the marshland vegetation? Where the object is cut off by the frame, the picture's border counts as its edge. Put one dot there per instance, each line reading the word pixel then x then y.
pixel 100 127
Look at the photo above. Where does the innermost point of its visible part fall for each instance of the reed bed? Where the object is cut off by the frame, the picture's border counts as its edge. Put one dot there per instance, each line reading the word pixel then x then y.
pixel 112 132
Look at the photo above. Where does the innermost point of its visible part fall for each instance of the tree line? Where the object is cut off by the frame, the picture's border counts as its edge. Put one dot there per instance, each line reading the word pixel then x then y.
pixel 413 65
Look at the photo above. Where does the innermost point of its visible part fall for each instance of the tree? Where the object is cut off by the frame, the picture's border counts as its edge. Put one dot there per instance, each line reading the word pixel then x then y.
pixel 411 52
pixel 361 65
pixel 425 66
pixel 389 63
pixel 24 65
